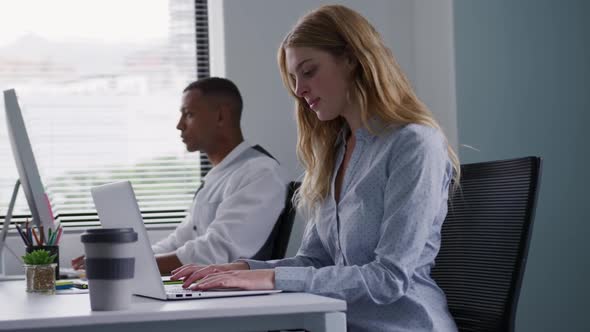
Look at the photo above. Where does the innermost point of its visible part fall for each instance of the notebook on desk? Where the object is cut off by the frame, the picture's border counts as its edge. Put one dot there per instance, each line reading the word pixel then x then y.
pixel 117 208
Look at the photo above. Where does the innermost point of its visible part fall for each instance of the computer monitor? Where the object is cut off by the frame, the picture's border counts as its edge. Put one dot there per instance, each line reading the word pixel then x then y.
pixel 29 177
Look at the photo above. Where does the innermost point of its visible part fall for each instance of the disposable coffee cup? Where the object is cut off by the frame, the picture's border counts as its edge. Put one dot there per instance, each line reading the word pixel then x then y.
pixel 110 266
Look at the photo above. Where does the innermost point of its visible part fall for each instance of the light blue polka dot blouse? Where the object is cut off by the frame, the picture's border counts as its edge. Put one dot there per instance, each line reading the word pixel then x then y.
pixel 375 248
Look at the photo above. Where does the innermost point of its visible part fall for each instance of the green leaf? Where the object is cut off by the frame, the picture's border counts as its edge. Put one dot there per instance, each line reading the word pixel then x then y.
pixel 39 257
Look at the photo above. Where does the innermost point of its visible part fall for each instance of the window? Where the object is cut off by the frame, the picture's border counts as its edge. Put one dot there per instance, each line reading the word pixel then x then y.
pixel 100 85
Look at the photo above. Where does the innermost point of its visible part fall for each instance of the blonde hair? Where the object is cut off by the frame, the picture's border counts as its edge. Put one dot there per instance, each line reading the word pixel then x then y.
pixel 379 89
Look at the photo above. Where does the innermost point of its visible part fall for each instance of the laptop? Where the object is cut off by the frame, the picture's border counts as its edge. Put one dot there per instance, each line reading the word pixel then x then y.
pixel 117 208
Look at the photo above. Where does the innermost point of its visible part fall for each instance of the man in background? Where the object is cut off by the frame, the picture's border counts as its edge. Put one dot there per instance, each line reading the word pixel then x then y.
pixel 242 196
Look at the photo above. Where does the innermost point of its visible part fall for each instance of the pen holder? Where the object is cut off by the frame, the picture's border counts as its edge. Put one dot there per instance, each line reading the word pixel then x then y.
pixel 53 250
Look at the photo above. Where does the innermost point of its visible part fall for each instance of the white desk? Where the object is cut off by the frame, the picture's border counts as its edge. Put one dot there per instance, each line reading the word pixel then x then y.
pixel 20 310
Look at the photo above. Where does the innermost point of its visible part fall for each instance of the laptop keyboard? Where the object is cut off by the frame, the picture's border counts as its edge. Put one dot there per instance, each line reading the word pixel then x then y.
pixel 177 289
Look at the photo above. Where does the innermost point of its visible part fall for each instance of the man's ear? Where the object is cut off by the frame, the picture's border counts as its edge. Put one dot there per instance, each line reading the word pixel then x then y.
pixel 223 114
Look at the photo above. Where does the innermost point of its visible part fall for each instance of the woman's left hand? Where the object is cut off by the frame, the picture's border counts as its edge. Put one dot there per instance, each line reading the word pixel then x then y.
pixel 243 279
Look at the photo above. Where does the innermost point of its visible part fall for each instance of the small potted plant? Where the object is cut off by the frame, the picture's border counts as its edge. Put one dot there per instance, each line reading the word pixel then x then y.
pixel 40 271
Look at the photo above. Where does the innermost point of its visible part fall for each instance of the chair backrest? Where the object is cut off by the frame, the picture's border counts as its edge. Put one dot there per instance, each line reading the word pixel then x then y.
pixel 485 240
pixel 277 242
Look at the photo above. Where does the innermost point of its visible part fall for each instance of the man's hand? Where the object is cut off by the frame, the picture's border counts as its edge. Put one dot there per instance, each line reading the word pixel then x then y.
pixel 167 263
pixel 78 263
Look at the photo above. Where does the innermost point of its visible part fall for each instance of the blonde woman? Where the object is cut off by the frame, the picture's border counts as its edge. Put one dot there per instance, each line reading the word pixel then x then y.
pixel 378 170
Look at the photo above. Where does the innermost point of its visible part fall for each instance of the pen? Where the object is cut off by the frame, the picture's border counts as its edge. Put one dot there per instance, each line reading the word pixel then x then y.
pixel 42 234
pixel 80 285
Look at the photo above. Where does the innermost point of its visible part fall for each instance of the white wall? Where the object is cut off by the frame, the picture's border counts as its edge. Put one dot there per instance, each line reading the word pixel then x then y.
pixel 418 32
pixel 434 58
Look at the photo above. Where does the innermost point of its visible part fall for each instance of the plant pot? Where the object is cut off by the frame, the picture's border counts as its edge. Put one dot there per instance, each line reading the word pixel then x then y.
pixel 40 278
pixel 53 250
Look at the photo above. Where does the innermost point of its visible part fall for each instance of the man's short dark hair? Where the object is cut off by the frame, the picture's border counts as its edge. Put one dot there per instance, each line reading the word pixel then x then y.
pixel 222 88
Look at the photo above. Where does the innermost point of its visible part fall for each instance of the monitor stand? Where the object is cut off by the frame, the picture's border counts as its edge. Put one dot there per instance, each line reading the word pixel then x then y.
pixel 4 233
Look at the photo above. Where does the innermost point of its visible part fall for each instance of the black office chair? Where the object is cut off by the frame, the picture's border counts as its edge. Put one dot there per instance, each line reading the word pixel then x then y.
pixel 276 244
pixel 485 241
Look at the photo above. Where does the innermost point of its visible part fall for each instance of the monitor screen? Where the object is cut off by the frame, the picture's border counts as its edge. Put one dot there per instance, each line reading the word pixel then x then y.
pixel 25 162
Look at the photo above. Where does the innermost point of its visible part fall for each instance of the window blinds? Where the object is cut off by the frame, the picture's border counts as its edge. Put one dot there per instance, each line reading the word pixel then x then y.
pixel 99 111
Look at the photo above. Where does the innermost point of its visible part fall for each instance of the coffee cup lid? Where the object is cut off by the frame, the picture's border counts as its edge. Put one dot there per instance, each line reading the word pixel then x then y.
pixel 109 235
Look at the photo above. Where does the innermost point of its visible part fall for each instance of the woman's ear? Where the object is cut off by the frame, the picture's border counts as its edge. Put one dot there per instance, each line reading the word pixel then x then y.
pixel 350 60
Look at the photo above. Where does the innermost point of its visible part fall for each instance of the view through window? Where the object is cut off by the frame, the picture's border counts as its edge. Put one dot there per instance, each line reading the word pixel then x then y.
pixel 99 84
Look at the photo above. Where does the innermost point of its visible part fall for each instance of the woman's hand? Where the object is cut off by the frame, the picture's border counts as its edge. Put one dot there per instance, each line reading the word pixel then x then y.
pixel 243 279
pixel 193 272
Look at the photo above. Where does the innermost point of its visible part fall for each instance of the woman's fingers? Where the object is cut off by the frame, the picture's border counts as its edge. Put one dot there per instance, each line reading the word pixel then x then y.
pixel 199 274
pixel 244 279
pixel 184 270
pixel 219 280
pixel 191 273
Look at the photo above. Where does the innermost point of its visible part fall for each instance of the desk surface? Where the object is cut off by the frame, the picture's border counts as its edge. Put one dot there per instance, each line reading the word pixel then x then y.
pixel 21 310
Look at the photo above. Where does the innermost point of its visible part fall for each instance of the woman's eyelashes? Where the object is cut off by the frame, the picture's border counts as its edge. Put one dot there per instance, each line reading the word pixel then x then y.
pixel 304 74
pixel 307 73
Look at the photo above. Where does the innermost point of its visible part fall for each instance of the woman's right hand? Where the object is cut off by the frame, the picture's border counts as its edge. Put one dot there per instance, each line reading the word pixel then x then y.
pixel 190 273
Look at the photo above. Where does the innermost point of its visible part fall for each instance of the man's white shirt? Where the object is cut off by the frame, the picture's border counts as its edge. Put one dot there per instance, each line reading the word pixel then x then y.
pixel 233 214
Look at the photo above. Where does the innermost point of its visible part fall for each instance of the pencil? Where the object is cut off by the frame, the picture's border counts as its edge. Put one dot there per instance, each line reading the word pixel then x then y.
pixel 28 233
pixel 20 232
pixel 35 235
pixel 56 232
pixel 58 237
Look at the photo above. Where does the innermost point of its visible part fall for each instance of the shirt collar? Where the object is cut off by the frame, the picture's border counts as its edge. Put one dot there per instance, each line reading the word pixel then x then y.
pixel 341 138
pixel 228 160
pixel 362 133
